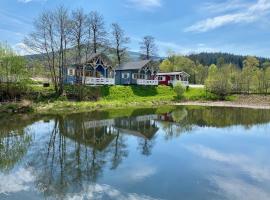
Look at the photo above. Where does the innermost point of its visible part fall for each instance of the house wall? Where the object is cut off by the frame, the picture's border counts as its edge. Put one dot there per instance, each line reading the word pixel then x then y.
pixel 119 80
pixel 69 79
pixel 164 82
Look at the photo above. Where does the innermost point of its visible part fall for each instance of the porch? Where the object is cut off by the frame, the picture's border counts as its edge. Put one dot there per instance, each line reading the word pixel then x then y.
pixel 99 75
pixel 172 78
pixel 147 82
pixel 147 76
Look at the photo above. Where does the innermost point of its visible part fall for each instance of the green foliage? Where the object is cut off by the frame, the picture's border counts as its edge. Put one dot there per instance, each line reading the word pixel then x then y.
pixel 13 72
pixel 195 94
pixel 179 63
pixel 218 81
pixel 179 89
pixel 207 59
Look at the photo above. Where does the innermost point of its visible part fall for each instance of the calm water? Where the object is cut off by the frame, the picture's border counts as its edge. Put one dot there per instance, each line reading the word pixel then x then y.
pixel 166 153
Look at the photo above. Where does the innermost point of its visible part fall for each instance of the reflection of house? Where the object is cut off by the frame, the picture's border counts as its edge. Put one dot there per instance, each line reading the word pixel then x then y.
pixel 93 133
pixel 96 70
pixel 143 126
pixel 172 78
pixel 136 73
pixel 99 134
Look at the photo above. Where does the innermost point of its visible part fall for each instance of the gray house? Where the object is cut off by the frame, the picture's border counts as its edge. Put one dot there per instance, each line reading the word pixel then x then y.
pixel 136 73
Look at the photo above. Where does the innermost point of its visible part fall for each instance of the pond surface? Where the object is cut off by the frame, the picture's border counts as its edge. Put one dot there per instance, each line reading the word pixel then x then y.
pixel 165 153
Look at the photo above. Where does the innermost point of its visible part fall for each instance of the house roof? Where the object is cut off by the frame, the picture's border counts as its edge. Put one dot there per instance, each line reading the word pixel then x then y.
pixel 133 65
pixel 172 73
pixel 72 60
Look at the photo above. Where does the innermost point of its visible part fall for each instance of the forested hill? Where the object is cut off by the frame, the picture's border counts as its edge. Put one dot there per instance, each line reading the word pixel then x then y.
pixel 212 58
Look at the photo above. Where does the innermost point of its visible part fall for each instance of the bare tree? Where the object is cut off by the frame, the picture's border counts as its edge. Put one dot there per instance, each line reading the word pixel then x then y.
pixel 78 32
pixel 97 33
pixel 50 39
pixel 43 41
pixel 62 24
pixel 119 42
pixel 148 47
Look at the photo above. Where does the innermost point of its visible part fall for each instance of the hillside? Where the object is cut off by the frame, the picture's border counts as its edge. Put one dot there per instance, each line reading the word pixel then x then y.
pixel 205 59
pixel 212 58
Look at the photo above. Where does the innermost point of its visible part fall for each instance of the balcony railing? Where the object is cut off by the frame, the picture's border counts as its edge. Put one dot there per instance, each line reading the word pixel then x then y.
pixel 147 82
pixel 185 83
pixel 99 81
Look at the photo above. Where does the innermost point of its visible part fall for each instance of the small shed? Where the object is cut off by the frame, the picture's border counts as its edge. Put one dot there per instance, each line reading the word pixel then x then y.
pixel 171 78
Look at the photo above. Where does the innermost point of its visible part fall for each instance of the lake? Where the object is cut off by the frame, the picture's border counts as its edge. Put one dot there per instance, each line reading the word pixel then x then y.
pixel 156 153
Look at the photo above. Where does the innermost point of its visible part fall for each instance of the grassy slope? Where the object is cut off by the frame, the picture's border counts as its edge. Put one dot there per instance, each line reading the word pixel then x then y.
pixel 109 97
pixel 125 96
pixel 114 97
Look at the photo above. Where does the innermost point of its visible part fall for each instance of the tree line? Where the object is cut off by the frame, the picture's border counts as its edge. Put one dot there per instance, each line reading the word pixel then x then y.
pixel 213 58
pixel 224 78
pixel 60 33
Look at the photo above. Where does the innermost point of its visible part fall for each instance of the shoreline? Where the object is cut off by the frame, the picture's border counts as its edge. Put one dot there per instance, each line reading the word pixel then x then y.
pixel 228 104
pixel 57 107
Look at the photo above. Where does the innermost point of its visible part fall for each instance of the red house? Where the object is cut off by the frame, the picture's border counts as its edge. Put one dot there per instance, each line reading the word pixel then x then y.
pixel 171 78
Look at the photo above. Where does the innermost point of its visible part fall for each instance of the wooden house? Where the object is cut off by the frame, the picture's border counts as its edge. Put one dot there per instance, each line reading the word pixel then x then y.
pixel 172 78
pixel 96 70
pixel 136 73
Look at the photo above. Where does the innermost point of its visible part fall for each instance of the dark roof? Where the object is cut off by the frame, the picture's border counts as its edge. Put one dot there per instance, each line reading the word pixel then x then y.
pixel 133 65
pixel 72 60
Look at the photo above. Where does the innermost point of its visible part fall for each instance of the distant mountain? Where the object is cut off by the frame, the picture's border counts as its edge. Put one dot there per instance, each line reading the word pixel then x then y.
pixel 132 56
pixel 212 58
pixel 205 59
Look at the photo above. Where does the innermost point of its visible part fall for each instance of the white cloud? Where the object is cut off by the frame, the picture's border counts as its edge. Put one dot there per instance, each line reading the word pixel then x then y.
pixel 229 5
pixel 28 1
pixel 98 191
pixel 16 182
pixel 239 162
pixel 245 14
pixel 145 4
pixel 22 50
pixel 233 188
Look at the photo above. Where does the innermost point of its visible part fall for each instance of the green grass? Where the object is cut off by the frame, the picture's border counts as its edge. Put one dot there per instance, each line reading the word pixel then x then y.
pixel 110 97
pixel 196 94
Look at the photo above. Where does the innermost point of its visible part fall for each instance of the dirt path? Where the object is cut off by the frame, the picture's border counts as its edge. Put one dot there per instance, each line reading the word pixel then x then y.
pixel 242 101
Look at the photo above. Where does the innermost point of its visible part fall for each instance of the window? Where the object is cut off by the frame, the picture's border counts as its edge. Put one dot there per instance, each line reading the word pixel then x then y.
pixel 70 72
pixel 161 78
pixel 142 76
pixel 134 76
pixel 125 75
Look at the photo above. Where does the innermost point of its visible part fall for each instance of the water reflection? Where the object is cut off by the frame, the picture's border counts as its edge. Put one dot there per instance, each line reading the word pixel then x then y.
pixel 73 156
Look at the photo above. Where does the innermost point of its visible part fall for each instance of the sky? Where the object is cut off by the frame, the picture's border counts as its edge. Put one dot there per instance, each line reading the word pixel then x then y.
pixel 183 26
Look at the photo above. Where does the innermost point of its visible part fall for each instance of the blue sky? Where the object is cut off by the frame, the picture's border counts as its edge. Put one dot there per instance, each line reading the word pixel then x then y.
pixel 184 26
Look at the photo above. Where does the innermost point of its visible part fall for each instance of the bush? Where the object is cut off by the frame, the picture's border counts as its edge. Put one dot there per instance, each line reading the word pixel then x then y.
pixel 179 89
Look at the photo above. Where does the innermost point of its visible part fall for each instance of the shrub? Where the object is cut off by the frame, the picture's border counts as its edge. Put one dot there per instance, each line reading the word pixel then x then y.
pixel 179 89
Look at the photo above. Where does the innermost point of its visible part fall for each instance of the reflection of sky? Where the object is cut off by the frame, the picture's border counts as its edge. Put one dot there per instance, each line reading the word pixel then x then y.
pixel 16 182
pixel 231 163
pixel 98 191
pixel 231 166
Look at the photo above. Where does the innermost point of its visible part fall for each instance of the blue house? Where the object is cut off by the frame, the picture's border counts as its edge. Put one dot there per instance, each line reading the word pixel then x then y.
pixel 136 73
pixel 95 70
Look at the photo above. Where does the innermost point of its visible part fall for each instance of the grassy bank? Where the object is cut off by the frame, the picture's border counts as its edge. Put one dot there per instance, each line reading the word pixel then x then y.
pixel 104 97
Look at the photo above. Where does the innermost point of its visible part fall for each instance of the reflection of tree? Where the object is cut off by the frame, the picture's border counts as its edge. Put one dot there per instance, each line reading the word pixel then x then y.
pixel 146 146
pixel 12 149
pixel 179 114
pixel 175 123
pixel 15 140
pixel 77 151
pixel 119 150
pixel 143 127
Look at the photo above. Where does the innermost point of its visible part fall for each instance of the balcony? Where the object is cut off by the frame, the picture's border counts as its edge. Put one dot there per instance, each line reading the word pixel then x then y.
pixel 147 82
pixel 99 81
pixel 184 83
